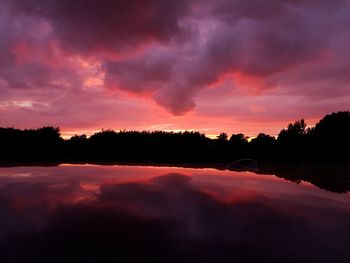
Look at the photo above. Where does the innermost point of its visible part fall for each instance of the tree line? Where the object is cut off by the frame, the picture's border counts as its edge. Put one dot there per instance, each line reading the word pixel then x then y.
pixel 327 142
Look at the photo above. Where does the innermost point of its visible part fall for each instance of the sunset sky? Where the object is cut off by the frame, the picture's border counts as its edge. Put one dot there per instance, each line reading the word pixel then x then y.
pixel 214 66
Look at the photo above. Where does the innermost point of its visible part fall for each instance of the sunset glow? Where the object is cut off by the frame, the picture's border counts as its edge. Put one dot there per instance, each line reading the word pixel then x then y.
pixel 211 66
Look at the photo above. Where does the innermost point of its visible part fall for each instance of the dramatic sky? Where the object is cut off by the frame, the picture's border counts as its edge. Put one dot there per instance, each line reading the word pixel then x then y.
pixel 209 65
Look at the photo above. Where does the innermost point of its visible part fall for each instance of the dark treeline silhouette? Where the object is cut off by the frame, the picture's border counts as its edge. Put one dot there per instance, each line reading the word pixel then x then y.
pixel 327 142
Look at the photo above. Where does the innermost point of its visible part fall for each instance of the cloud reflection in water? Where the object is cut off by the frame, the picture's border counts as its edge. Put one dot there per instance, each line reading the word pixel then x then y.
pixel 92 214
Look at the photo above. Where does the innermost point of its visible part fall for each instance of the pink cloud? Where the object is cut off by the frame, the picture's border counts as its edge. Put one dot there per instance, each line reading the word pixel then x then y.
pixel 206 65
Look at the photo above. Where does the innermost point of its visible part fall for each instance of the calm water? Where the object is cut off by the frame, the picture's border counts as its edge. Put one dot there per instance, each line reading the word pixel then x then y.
pixel 85 213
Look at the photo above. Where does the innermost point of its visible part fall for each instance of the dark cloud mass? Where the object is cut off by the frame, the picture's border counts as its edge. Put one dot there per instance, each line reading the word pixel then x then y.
pixel 140 74
pixel 88 26
pixel 169 50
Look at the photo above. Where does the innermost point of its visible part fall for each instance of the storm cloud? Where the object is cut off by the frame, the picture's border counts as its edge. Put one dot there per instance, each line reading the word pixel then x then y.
pixel 172 52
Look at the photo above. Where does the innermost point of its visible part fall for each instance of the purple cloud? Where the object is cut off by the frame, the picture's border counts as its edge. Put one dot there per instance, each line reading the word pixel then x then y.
pixel 61 53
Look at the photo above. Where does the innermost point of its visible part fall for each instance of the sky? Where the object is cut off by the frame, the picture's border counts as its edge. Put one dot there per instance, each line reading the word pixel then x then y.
pixel 234 66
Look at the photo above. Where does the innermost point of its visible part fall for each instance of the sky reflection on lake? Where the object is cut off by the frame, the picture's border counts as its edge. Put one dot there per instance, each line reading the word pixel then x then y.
pixel 87 213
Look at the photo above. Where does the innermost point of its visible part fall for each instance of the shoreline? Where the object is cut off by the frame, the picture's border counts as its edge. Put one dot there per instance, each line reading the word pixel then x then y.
pixel 330 177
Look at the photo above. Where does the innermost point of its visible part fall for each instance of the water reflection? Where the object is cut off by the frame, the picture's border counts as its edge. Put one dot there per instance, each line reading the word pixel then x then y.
pixel 335 178
pixel 92 214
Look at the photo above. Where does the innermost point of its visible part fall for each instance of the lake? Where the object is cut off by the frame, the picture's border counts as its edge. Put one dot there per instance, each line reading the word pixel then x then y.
pixel 91 213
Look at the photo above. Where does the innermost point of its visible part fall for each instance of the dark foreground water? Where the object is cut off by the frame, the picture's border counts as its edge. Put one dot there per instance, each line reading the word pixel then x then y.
pixel 76 213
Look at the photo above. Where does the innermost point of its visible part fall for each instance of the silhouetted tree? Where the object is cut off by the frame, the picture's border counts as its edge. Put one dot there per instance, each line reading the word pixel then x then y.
pixel 238 139
pixel 263 147
pixel 332 137
pixel 44 144
pixel 239 146
pixel 295 129
pixel 222 136
pixel 291 142
pixel 328 141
